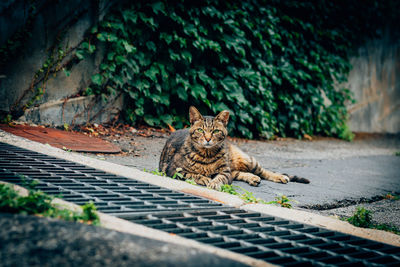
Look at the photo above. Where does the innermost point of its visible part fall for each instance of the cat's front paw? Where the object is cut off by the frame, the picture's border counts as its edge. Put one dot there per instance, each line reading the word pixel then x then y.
pixel 254 180
pixel 215 184
pixel 203 181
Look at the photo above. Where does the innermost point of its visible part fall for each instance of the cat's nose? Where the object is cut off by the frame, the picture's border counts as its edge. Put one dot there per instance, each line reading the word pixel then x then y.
pixel 208 138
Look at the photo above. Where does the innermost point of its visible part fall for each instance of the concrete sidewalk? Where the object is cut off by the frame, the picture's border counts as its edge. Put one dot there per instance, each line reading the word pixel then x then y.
pixel 34 241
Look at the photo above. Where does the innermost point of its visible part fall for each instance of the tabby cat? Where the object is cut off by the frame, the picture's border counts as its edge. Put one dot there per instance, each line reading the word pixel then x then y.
pixel 203 153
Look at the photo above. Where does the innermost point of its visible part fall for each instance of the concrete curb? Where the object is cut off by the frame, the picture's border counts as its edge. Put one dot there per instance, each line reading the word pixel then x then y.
pixel 120 225
pixel 295 215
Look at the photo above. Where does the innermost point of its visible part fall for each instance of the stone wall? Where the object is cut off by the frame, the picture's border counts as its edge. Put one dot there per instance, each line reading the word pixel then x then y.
pixel 58 23
pixel 375 83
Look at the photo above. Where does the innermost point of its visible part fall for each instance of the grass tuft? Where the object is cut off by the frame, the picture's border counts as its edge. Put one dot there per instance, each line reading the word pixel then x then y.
pixel 39 203
pixel 249 197
pixel 362 217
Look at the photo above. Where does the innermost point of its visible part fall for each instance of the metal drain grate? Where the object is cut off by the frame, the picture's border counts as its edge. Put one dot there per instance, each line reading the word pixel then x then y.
pixel 256 235
pixel 79 184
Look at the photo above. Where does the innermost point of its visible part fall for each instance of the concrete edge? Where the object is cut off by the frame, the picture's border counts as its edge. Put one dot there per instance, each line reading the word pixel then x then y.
pixel 56 103
pixel 291 214
pixel 124 226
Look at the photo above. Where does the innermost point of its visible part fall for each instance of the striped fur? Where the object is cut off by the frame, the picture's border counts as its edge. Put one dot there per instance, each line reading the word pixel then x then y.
pixel 202 153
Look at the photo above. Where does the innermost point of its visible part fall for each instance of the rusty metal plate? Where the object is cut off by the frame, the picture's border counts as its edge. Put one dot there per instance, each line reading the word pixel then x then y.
pixel 62 139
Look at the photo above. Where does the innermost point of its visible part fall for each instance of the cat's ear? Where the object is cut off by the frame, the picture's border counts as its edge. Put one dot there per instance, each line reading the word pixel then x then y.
pixel 194 115
pixel 223 117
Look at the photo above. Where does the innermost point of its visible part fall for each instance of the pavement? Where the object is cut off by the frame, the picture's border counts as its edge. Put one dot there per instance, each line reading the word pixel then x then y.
pixel 344 175
pixel 34 241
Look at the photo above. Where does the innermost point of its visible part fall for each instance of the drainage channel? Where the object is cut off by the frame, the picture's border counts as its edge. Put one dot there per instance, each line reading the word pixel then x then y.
pixel 264 237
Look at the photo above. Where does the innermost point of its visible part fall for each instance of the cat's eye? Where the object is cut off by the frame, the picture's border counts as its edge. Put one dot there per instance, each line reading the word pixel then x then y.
pixel 200 130
pixel 216 131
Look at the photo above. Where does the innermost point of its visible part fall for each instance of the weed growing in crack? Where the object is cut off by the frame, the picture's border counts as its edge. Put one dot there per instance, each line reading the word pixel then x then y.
pixel 177 175
pixel 249 197
pixel 390 196
pixel 190 181
pixel 362 217
pixel 283 201
pixel 156 172
pixel 66 149
pixel 387 228
pixel 230 189
pixel 66 127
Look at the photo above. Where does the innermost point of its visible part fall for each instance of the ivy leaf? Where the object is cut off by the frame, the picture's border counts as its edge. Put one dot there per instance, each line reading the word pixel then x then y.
pixel 110 56
pixel 166 37
pixel 111 67
pixel 128 47
pixel 143 85
pixel 133 66
pixel 67 72
pixel 94 29
pixel 158 7
pixel 191 30
pixel 219 106
pixel 198 91
pixel 120 60
pixel 206 79
pixel 182 94
pixel 147 20
pixel 129 15
pixel 151 46
pixel 186 55
pixel 152 73
pixel 133 94
pixel 80 54
pixel 111 37
pixel 97 79
pixel 101 37
pixel 229 84
pixel 173 56
pixel 152 121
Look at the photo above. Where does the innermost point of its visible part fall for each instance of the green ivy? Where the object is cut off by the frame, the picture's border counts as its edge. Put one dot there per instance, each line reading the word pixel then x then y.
pixel 273 64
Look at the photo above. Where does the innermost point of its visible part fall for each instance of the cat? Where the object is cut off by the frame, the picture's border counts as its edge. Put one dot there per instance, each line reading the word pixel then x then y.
pixel 203 153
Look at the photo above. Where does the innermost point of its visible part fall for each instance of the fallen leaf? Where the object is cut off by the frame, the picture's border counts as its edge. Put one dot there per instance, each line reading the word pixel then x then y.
pixel 172 129
pixel 306 136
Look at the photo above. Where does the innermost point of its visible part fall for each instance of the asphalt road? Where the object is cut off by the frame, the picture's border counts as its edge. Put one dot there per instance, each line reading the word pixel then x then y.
pixel 343 174
pixel 33 241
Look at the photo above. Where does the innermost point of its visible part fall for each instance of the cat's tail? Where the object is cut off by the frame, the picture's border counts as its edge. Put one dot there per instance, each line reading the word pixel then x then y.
pixel 297 179
pixel 254 167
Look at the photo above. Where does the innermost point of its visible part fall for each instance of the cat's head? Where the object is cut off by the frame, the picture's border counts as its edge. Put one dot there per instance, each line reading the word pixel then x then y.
pixel 207 131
